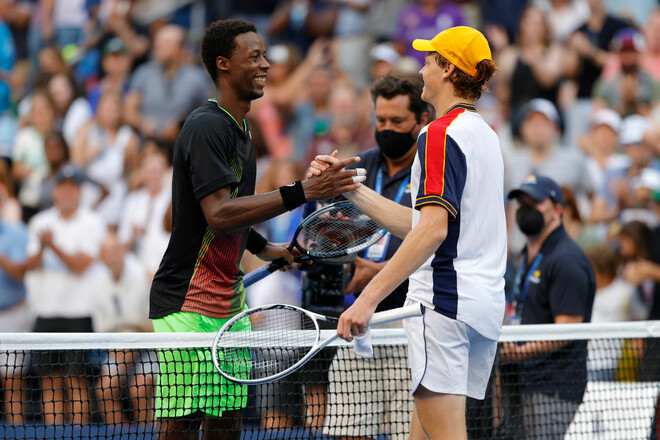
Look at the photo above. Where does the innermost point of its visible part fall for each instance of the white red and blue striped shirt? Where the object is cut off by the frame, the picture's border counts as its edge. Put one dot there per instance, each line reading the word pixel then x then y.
pixel 459 166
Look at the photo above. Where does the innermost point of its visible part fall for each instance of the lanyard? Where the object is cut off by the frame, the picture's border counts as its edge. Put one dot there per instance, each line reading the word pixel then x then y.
pixel 399 193
pixel 377 251
pixel 520 296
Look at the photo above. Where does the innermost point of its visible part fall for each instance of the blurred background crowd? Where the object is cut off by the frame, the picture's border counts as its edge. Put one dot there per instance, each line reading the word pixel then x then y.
pixel 93 94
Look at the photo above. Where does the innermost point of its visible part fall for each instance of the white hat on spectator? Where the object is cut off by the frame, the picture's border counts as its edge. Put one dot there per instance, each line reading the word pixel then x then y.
pixel 543 106
pixel 606 116
pixel 649 178
pixel 633 129
pixel 384 52
pixel 278 54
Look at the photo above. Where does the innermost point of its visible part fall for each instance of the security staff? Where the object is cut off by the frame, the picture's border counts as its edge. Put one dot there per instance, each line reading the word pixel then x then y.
pixel 554 284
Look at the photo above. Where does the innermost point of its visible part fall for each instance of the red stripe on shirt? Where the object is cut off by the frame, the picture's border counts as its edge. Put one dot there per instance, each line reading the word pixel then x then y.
pixel 435 152
pixel 212 287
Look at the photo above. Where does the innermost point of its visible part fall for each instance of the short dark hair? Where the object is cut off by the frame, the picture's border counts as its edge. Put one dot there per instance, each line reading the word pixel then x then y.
pixel 395 84
pixel 466 86
pixel 220 41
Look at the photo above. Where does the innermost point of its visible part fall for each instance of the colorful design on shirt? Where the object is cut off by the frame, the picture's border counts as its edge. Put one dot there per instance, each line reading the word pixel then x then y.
pixel 437 153
pixel 215 284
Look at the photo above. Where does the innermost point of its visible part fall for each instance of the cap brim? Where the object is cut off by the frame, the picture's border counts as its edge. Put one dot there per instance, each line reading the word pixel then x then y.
pixel 423 45
pixel 527 191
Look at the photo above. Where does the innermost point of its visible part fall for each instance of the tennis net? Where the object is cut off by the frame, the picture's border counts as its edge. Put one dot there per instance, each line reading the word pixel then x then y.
pixel 573 381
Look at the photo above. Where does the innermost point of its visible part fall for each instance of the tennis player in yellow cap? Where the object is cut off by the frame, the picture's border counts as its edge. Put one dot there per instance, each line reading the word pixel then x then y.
pixel 454 247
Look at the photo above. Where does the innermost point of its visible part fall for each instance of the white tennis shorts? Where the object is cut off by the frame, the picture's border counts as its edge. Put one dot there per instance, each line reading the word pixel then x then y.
pixel 448 356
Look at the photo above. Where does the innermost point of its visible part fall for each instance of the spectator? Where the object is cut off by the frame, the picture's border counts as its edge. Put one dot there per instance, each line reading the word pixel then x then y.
pixel 590 45
pixel 311 114
pixel 651 56
pixel 400 116
pixel 644 272
pixel 106 149
pixel 116 66
pixel 258 12
pixel 582 233
pixel 424 19
pixel 284 80
pixel 73 109
pixel 384 59
pixel 57 155
pixel 123 302
pixel 352 39
pixel 611 304
pixel 165 90
pixel 531 68
pixel 29 164
pixel 600 145
pixel 141 226
pixel 618 191
pixel 14 315
pixel 554 284
pixel 632 90
pixel 8 125
pixel 63 243
pixel 300 22
pixel 65 20
pixel 347 132
pixel 542 154
pixel 565 17
pixel 634 242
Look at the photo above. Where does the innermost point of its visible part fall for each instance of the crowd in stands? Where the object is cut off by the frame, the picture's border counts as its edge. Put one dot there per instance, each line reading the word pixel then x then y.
pixel 93 94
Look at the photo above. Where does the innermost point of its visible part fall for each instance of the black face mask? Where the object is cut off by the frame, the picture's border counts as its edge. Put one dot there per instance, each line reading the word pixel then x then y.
pixel 530 220
pixel 394 144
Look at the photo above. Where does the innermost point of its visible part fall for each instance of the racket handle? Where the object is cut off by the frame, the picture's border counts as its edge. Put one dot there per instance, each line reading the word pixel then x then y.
pixel 263 272
pixel 397 314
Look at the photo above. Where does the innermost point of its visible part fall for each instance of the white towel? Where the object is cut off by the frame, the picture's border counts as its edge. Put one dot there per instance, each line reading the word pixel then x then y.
pixel 362 345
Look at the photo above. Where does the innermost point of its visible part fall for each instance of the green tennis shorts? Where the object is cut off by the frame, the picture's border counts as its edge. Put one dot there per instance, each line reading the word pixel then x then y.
pixel 187 379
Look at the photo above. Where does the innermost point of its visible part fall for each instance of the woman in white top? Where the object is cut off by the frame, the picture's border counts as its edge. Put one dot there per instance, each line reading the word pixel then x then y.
pixel 107 150
pixel 72 109
pixel 29 164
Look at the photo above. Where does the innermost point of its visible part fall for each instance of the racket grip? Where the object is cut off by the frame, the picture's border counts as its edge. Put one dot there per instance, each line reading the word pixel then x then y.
pixel 263 272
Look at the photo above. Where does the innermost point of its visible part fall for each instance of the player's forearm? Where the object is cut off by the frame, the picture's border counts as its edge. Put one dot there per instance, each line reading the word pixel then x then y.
pixel 397 219
pixel 420 244
pixel 242 212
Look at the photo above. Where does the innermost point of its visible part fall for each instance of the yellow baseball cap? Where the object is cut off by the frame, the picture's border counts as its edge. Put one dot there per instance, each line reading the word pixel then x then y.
pixel 462 46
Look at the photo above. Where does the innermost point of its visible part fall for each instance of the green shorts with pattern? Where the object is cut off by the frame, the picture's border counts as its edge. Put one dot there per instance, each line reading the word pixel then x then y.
pixel 187 379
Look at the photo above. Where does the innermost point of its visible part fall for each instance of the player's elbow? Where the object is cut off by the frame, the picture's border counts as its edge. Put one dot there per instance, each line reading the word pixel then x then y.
pixel 437 234
pixel 219 227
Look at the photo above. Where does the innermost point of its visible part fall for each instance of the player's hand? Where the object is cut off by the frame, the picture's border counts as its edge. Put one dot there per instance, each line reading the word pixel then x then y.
pixel 334 180
pixel 274 251
pixel 365 270
pixel 353 322
pixel 321 163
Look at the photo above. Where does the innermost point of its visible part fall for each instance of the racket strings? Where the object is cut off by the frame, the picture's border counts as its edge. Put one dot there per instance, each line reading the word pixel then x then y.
pixel 272 341
pixel 339 230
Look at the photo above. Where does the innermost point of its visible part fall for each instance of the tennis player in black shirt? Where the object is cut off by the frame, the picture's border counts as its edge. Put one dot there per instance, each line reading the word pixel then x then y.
pixel 199 284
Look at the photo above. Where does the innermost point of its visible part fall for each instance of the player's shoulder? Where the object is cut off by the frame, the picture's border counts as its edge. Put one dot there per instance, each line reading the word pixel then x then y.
pixel 208 118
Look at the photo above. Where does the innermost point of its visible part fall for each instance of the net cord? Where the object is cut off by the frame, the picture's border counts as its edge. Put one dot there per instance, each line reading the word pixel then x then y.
pixel 91 341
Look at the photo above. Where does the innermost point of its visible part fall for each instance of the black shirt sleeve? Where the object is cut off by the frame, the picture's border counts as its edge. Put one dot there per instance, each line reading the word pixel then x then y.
pixel 568 287
pixel 210 153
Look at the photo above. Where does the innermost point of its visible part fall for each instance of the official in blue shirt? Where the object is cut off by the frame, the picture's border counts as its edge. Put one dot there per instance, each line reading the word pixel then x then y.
pixel 554 284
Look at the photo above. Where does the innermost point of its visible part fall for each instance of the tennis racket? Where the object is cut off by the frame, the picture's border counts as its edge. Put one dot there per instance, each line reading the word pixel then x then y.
pixel 266 343
pixel 335 230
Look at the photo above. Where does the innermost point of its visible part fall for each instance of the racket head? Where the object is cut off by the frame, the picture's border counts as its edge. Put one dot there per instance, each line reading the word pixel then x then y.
pixel 265 343
pixel 335 230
